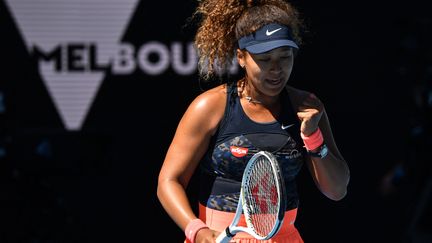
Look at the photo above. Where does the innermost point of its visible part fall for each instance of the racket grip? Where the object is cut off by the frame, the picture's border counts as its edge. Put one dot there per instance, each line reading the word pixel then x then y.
pixel 224 237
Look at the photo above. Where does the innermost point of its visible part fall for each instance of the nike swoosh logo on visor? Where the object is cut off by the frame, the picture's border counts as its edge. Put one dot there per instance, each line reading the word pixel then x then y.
pixel 268 33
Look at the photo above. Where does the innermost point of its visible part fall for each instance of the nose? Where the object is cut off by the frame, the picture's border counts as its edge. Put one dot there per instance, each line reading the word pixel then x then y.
pixel 276 66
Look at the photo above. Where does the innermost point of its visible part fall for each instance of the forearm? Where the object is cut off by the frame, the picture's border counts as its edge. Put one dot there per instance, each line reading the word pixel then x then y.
pixel 173 197
pixel 331 175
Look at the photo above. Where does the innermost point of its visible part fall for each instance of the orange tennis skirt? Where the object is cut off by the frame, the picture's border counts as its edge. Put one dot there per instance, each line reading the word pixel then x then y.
pixel 219 220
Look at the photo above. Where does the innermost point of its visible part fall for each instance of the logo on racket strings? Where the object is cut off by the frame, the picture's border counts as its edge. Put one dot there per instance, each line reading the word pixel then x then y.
pixel 265 196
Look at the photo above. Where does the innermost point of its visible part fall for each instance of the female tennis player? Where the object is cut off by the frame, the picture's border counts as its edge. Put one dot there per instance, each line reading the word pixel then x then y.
pixel 227 124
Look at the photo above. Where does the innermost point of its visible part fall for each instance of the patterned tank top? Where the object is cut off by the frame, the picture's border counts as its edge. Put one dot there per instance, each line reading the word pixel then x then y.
pixel 237 139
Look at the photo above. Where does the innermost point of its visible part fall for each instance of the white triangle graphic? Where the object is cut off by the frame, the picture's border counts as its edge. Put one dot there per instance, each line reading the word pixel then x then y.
pixel 48 24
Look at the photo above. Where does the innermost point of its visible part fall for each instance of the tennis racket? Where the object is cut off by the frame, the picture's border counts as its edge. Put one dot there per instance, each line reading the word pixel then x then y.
pixel 262 199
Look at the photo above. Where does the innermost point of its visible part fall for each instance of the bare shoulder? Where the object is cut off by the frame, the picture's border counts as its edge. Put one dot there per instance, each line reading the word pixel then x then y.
pixel 295 91
pixel 207 109
pixel 211 100
pixel 297 96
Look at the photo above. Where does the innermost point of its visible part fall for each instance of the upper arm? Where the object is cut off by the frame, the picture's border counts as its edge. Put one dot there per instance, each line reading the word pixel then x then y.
pixel 192 136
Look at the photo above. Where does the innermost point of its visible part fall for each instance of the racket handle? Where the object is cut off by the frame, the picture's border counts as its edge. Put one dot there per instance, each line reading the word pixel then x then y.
pixel 224 237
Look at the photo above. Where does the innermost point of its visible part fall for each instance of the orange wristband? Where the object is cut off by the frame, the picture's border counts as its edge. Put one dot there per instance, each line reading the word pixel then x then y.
pixel 192 229
pixel 313 141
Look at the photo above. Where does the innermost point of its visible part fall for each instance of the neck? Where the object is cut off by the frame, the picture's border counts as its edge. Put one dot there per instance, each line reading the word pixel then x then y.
pixel 251 100
pixel 244 92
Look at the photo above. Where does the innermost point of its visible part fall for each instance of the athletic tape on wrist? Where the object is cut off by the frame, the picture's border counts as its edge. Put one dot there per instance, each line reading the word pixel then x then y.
pixel 192 229
pixel 313 141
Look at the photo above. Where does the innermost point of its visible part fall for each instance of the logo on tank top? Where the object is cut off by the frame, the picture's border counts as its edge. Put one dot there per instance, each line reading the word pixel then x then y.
pixel 294 154
pixel 286 127
pixel 238 151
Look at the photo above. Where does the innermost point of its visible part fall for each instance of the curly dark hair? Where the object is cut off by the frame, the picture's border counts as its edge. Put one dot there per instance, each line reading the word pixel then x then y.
pixel 223 22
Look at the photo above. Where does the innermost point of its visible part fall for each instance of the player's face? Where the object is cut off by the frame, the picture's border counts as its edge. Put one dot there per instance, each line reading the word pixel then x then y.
pixel 268 72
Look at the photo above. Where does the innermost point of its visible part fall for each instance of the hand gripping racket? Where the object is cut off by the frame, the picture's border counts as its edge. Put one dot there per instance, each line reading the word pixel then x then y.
pixel 262 199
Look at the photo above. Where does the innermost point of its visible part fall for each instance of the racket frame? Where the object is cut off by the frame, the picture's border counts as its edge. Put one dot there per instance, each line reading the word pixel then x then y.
pixel 241 209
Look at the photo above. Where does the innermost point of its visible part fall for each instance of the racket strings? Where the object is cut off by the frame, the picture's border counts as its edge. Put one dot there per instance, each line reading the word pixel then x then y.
pixel 262 196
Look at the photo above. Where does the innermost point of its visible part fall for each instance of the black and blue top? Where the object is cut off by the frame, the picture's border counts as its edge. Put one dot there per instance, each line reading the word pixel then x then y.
pixel 237 139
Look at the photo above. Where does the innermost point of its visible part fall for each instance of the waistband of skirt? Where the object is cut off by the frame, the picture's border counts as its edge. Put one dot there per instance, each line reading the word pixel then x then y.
pixel 219 220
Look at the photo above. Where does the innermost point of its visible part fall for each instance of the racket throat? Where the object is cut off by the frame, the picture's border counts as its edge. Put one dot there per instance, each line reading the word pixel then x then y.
pixel 228 233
